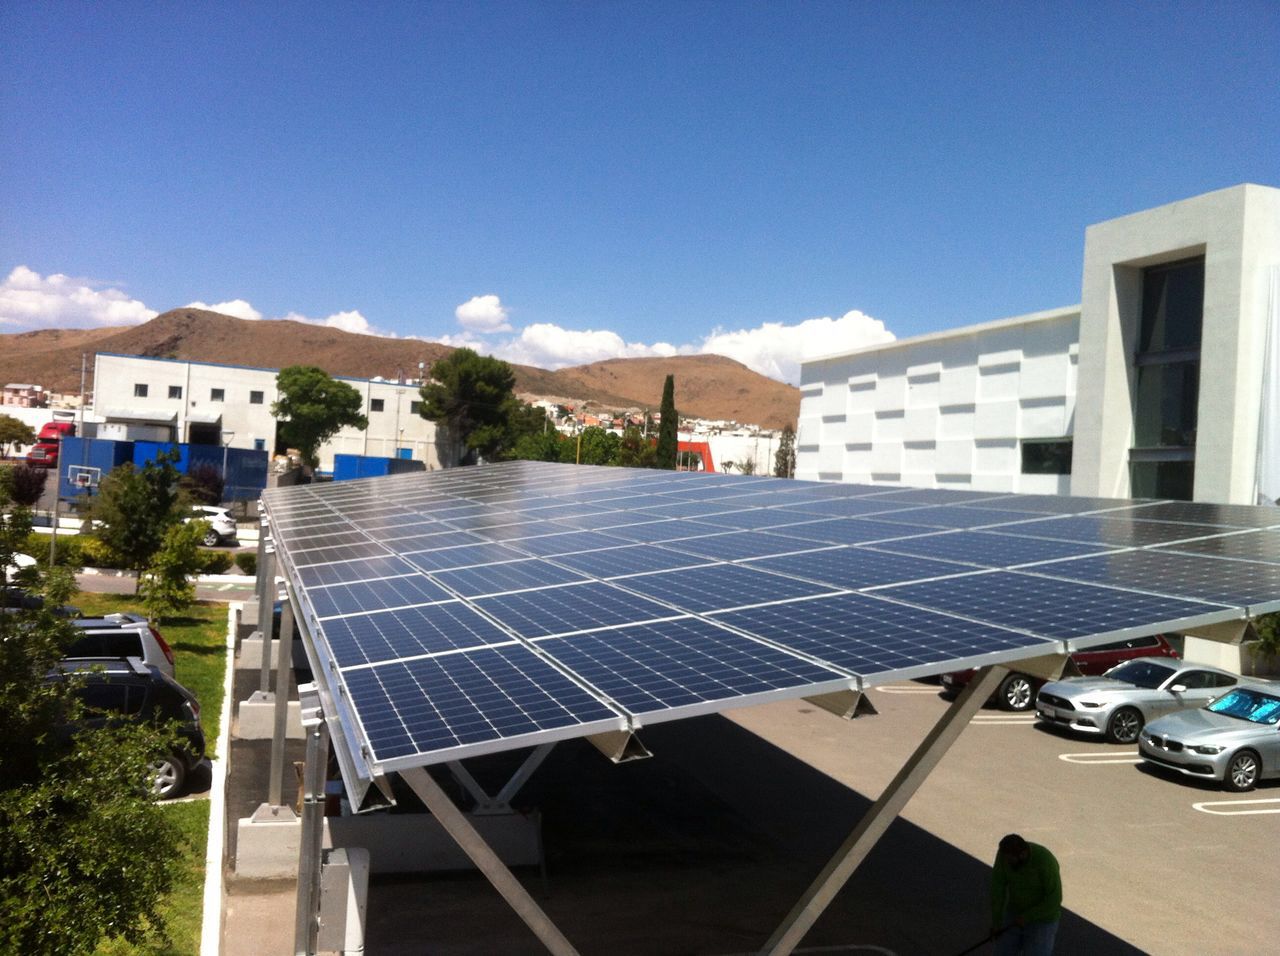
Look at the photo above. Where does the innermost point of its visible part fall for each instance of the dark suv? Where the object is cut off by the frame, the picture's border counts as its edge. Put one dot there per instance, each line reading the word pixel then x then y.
pixel 1018 691
pixel 114 690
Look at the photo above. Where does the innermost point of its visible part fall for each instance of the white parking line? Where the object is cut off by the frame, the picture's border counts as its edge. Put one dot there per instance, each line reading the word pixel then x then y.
pixel 1234 805
pixel 1120 756
pixel 1003 719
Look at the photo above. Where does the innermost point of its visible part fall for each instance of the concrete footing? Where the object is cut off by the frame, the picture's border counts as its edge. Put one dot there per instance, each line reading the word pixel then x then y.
pixel 256 717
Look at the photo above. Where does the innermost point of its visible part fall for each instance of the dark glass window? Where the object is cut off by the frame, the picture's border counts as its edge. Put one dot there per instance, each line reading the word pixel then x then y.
pixel 1172 307
pixel 255 398
pixel 139 390
pixel 1046 457
pixel 175 391
pixel 375 404
pixel 415 408
pixel 1165 407
pixel 1167 381
pixel 217 394
pixel 1163 479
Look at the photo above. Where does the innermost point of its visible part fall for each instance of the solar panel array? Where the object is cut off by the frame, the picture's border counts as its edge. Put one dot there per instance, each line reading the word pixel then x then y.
pixel 480 609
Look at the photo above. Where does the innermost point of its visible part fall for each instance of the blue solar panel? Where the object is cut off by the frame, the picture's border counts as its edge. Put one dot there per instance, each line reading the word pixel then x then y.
pixel 345 553
pixel 633 559
pixel 1101 529
pixel 1220 580
pixel 436 705
pixel 463 556
pixel 391 635
pixel 684 663
pixel 366 569
pixel 852 530
pixel 856 568
pixel 375 595
pixel 1055 608
pixel 507 576
pixel 735 545
pixel 1247 546
pixel 989 549
pixel 718 586
pixel 571 607
pixel 867 635
pixel 570 542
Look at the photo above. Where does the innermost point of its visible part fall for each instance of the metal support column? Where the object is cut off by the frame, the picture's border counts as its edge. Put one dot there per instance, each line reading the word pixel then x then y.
pixel 502 802
pixel 482 855
pixel 284 685
pixel 266 608
pixel 306 924
pixel 882 813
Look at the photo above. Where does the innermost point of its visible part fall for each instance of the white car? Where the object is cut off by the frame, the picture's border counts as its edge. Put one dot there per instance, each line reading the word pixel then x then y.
pixel 222 527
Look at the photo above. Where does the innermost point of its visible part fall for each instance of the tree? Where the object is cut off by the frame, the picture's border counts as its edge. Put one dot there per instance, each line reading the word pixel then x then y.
pixel 85 851
pixel 540 446
pixel 203 484
pixel 635 451
pixel 24 484
pixel 134 508
pixel 668 430
pixel 14 432
pixel 592 446
pixel 471 396
pixel 312 407
pixel 784 460
pixel 166 586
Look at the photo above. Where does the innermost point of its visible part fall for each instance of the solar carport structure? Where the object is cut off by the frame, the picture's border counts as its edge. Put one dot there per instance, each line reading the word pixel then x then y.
pixel 476 610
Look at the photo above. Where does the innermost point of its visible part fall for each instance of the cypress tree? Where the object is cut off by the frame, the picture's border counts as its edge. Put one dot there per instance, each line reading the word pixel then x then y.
pixel 668 441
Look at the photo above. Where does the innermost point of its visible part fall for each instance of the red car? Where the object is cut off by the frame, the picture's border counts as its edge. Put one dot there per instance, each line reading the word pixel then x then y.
pixel 1018 691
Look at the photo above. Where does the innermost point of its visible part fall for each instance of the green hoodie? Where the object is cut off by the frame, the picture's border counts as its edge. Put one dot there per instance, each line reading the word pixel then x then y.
pixel 1032 892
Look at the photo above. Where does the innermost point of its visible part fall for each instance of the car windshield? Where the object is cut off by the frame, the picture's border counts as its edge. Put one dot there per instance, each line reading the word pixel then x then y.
pixel 1140 673
pixel 1250 705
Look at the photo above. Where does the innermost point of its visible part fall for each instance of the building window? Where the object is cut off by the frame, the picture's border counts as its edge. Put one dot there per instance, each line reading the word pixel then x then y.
pixel 375 404
pixel 259 444
pixel 1049 456
pixel 217 394
pixel 415 408
pixel 175 391
pixel 139 390
pixel 1166 393
pixel 255 398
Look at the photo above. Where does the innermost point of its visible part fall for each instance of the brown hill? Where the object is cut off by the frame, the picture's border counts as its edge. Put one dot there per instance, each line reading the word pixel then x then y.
pixel 707 386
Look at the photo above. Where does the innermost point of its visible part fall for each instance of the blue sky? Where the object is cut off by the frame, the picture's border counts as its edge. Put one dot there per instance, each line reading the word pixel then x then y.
pixel 563 182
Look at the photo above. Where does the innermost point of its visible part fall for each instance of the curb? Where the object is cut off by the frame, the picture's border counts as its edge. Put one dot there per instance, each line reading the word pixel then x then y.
pixel 199 579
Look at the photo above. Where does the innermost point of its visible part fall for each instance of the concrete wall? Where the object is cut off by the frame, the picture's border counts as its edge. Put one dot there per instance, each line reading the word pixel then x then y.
pixel 944 410
pixel 1237 231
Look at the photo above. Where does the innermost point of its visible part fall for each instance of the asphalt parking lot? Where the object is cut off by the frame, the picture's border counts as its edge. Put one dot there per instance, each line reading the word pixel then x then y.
pixel 704 848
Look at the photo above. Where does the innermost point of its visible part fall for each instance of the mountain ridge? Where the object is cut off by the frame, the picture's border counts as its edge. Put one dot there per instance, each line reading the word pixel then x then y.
pixel 707 386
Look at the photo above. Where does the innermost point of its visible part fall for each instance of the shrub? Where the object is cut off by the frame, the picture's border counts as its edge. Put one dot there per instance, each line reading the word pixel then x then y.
pixel 213 562
pixel 203 483
pixel 247 561
pixel 96 553
pixel 67 554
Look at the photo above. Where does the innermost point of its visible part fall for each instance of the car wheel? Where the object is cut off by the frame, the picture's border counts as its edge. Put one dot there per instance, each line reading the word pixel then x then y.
pixel 210 539
pixel 1242 772
pixel 1124 726
pixel 170 773
pixel 1016 693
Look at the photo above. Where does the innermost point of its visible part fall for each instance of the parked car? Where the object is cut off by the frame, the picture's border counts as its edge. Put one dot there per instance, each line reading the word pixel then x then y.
pixel 122 635
pixel 1118 704
pixel 19 599
pixel 114 690
pixel 222 527
pixel 1018 691
pixel 1234 740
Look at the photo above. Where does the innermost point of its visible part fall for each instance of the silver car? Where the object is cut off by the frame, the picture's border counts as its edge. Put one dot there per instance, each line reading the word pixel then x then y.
pixel 1122 700
pixel 1235 740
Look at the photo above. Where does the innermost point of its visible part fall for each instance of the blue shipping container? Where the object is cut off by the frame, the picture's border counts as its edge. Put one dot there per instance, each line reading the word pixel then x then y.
pixel 83 462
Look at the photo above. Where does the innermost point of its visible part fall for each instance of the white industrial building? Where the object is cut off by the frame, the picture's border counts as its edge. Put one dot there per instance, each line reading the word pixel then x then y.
pixel 1178 326
pixel 155 399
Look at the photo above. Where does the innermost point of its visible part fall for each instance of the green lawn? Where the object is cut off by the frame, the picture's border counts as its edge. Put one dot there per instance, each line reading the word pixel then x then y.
pixel 198 639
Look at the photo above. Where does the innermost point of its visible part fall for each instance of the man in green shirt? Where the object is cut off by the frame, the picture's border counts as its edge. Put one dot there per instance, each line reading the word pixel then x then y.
pixel 1026 898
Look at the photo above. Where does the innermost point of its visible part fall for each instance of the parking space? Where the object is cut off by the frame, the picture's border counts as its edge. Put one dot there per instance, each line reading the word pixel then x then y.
pixel 704 848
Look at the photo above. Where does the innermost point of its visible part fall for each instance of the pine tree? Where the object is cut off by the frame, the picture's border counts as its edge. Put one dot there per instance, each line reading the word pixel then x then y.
pixel 784 462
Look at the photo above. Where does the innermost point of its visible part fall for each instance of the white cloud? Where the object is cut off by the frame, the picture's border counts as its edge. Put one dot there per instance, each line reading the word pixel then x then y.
pixel 550 346
pixel 350 321
pixel 483 313
pixel 237 308
pixel 776 350
pixel 29 300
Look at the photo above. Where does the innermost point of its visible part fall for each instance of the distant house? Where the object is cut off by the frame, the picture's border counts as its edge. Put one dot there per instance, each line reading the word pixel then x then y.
pixel 25 396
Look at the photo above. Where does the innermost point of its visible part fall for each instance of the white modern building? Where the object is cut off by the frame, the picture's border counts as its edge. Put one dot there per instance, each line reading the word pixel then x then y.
pixel 1162 382
pixel 157 399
